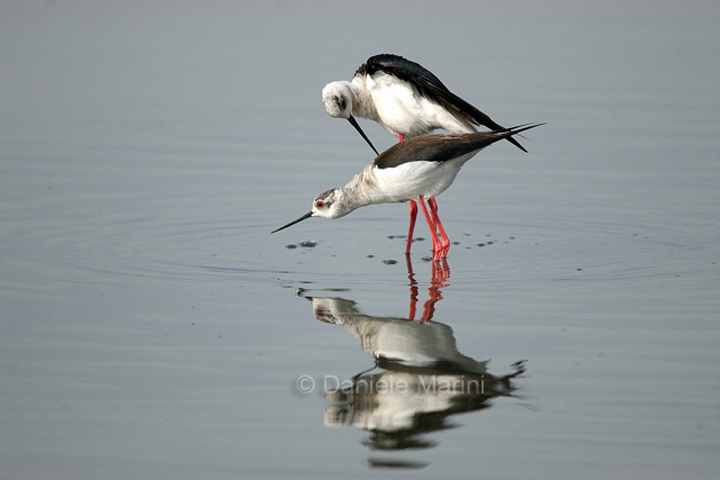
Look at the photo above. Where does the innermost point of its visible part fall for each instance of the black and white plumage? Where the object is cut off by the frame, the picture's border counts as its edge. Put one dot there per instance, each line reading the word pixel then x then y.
pixel 416 169
pixel 405 98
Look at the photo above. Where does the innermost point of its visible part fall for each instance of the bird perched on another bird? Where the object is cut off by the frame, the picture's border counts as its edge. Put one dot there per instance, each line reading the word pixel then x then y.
pixel 407 100
pixel 418 168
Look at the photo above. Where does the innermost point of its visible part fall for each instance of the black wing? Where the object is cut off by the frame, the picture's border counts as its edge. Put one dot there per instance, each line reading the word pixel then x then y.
pixel 429 86
pixel 441 148
pixel 404 69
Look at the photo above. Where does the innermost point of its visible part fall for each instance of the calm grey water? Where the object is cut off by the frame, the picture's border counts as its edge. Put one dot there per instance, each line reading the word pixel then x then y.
pixel 151 327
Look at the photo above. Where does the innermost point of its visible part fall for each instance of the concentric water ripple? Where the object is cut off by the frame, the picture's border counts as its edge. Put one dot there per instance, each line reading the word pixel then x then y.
pixel 122 248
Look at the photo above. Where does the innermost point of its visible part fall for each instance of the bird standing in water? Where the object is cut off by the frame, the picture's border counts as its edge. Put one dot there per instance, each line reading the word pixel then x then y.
pixel 416 169
pixel 408 101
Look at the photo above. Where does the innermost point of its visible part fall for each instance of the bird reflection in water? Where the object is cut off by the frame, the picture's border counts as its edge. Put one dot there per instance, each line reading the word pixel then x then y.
pixel 424 378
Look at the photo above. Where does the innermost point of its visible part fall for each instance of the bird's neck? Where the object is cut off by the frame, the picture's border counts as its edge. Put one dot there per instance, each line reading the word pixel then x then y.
pixel 361 190
pixel 363 105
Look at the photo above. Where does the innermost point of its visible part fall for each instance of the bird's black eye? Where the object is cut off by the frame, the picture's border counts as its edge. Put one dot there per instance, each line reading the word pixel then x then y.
pixel 319 204
pixel 339 102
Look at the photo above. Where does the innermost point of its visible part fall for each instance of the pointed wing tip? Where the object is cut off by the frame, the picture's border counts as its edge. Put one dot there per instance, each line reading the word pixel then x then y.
pixel 510 132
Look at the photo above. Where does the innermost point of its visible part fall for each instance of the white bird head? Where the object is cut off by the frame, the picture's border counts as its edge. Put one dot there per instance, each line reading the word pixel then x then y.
pixel 331 204
pixel 338 101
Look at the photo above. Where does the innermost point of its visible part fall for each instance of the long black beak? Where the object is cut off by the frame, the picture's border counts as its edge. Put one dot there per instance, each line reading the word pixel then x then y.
pixel 307 215
pixel 354 123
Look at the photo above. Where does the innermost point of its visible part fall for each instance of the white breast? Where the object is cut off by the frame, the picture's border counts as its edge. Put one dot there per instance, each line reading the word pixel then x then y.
pixel 401 109
pixel 411 180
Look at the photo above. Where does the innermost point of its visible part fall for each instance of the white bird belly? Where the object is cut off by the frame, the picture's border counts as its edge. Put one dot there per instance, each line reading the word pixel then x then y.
pixel 401 108
pixel 412 180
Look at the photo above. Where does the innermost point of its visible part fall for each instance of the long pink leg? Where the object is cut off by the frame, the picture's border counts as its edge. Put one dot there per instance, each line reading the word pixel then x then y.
pixel 432 203
pixel 413 214
pixel 411 229
pixel 436 244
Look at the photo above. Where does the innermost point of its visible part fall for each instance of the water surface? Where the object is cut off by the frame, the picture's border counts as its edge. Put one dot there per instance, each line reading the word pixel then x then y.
pixel 152 327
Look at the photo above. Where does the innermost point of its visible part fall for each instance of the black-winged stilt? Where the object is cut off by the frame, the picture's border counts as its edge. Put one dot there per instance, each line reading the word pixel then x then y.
pixel 416 169
pixel 405 98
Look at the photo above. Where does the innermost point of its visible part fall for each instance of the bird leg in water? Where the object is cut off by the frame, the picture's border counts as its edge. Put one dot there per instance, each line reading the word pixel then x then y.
pixel 411 229
pixel 436 244
pixel 432 203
